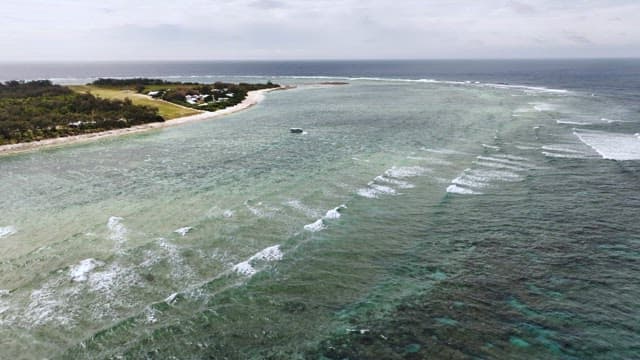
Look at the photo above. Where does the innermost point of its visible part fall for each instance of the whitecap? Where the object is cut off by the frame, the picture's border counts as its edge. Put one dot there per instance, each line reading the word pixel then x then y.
pixel 183 231
pixel 568 122
pixel 113 277
pixel 368 193
pixel 151 315
pixel 511 162
pixel 382 189
pixel 492 147
pixel 443 151
pixel 399 183
pixel 491 175
pixel 613 146
pixel 80 272
pixel 334 213
pixel 178 266
pixel 455 189
pixel 6 231
pixel 404 172
pixel 255 211
pixel 529 89
pixel 260 210
pixel 562 148
pixel 244 268
pixel 298 205
pixel 610 121
pixel 542 106
pixel 510 157
pixel 117 231
pixel 498 165
pixel 228 213
pixel 44 307
pixel 171 298
pixel 468 181
pixel 318 225
pixel 272 253
pixel 563 156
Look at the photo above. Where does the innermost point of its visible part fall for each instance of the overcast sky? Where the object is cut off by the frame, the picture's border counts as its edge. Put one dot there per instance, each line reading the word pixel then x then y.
pixel 44 30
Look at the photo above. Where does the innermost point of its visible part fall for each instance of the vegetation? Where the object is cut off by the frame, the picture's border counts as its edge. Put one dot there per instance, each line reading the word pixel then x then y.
pixel 208 97
pixel 166 109
pixel 37 110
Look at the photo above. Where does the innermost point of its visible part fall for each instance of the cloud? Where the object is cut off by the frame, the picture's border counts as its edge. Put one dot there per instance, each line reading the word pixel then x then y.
pixel 268 4
pixel 285 29
pixel 577 38
pixel 521 8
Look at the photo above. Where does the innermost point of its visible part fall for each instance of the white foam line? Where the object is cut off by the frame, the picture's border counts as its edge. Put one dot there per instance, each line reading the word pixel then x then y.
pixel 497 165
pixel 568 122
pixel 563 156
pixel 615 121
pixel 443 151
pixel 526 147
pixel 455 189
pixel 501 175
pixel 560 149
pixel 399 183
pixel 526 164
pixel 492 147
pixel 510 157
pixel 529 88
pixel 368 193
pixel 465 180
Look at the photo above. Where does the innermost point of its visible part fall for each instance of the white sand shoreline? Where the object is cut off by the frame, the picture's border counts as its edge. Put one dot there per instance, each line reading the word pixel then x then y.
pixel 253 98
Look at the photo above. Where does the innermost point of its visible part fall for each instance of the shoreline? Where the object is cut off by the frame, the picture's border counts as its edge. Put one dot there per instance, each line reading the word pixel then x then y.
pixel 253 98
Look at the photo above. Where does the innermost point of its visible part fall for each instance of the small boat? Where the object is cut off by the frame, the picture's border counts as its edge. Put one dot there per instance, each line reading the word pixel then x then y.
pixel 296 131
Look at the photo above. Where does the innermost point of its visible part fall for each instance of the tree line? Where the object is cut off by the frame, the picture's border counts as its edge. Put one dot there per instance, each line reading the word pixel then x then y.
pixel 37 110
pixel 221 94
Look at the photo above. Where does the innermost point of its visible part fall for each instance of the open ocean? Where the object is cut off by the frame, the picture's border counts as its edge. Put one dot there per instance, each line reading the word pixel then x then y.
pixel 432 209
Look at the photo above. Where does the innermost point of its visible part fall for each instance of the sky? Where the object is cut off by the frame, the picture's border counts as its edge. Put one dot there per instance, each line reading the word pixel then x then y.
pixel 77 30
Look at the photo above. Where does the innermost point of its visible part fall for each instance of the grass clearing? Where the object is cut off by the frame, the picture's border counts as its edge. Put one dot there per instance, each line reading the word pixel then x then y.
pixel 166 109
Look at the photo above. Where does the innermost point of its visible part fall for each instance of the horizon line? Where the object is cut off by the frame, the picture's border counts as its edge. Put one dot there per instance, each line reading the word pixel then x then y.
pixel 69 61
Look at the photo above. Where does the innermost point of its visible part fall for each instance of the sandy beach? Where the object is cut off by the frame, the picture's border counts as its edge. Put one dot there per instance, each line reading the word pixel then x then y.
pixel 253 98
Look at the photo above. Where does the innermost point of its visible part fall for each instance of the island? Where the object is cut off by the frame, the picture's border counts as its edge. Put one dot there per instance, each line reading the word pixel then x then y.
pixel 40 113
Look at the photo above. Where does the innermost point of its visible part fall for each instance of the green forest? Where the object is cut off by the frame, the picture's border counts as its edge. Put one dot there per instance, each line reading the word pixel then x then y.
pixel 36 110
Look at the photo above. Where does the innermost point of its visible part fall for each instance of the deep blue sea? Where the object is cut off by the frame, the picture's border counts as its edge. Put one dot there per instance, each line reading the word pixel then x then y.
pixel 455 209
pixel 603 75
